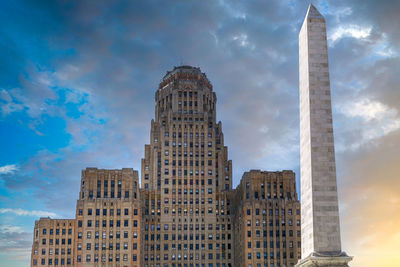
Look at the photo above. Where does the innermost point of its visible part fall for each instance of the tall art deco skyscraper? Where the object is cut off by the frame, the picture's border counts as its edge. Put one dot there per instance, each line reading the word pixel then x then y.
pixel 321 245
pixel 186 176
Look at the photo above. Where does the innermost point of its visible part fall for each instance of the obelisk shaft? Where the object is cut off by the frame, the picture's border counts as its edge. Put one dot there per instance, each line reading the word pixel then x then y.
pixel 319 200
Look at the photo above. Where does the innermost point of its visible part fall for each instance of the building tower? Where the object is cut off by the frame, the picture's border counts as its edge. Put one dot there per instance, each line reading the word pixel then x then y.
pixel 319 199
pixel 186 176
pixel 266 219
pixel 107 219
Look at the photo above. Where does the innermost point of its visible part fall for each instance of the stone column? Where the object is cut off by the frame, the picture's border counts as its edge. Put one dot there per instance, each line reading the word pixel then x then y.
pixel 320 229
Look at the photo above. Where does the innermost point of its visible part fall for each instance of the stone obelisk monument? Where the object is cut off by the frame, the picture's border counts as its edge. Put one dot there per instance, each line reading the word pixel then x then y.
pixel 320 229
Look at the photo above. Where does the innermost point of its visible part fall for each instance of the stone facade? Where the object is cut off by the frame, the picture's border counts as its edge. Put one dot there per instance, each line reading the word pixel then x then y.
pixel 53 242
pixel 108 218
pixel 320 212
pixel 185 213
pixel 267 219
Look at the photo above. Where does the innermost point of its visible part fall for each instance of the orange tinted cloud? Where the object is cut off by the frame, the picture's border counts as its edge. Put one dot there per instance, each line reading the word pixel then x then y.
pixel 370 213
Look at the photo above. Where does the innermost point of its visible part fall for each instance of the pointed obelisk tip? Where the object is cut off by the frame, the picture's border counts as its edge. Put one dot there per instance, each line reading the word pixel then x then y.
pixel 313 12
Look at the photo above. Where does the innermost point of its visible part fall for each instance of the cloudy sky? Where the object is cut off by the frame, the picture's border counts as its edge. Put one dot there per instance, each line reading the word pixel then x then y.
pixel 77 84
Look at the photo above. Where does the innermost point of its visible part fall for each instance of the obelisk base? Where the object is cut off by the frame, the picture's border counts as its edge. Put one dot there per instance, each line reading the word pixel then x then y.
pixel 316 259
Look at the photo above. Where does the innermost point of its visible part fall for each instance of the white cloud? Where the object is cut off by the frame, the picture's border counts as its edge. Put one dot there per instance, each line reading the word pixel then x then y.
pixel 7 105
pixel 5 96
pixel 377 119
pixel 11 229
pixel 6 169
pixel 354 31
pixel 384 49
pixel 35 213
pixel 242 40
pixel 368 110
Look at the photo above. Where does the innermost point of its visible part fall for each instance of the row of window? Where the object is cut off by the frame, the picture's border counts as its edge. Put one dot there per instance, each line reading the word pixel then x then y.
pixel 57 241
pixel 186 162
pixel 277 222
pixel 269 196
pixel 186 191
pixel 268 185
pixel 187 226
pixel 56 251
pixel 258 255
pixel 110 246
pixel 199 265
pixel 187 103
pixel 191 257
pixel 186 211
pixel 275 195
pixel 278 233
pixel 187 126
pixel 188 118
pixel 187 111
pixel 191 181
pixel 51 231
pixel 185 173
pixel 196 201
pixel 110 212
pixel 185 94
pixel 185 153
pixel 185 135
pixel 271 244
pixel 164 103
pixel 185 144
pixel 51 261
pixel 271 264
pixel 111 182
pixel 103 258
pixel 104 212
pixel 111 195
pixel 270 212
pixel 110 223
pixel 185 201
pixel 110 235
pixel 179 246
pixel 157 237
